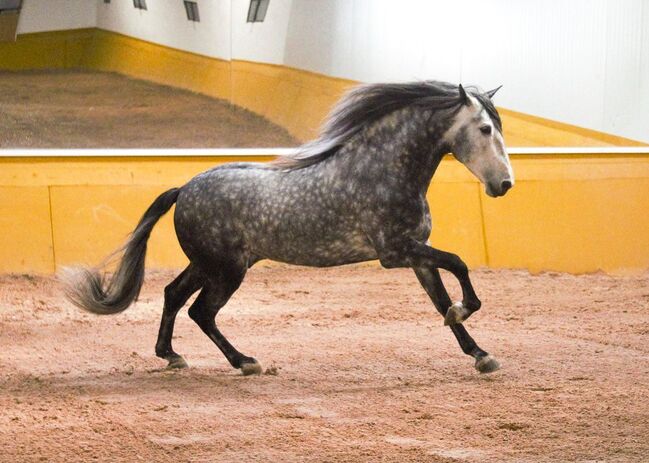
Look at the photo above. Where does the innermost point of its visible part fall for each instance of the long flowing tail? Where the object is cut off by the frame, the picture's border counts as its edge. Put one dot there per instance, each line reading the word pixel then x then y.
pixel 90 290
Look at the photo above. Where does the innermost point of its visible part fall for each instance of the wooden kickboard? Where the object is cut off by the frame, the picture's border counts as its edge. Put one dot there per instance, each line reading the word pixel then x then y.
pixel 8 26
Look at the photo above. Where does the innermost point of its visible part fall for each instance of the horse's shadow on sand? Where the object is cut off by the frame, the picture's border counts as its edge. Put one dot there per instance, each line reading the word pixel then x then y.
pixel 223 383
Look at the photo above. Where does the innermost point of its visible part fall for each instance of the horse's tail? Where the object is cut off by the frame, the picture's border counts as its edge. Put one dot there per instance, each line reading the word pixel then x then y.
pixel 88 289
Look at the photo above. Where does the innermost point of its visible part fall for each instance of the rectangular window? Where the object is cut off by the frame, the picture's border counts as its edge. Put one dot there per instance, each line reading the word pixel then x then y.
pixel 106 1
pixel 10 6
pixel 257 10
pixel 140 4
pixel 192 11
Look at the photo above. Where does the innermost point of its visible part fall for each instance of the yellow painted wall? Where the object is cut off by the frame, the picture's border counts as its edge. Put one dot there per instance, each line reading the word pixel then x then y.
pixel 52 50
pixel 294 99
pixel 26 229
pixel 521 129
pixel 572 213
pixel 575 213
pixel 145 60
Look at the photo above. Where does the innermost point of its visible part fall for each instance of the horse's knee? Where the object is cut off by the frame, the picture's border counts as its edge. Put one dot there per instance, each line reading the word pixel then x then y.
pixel 456 265
pixel 196 314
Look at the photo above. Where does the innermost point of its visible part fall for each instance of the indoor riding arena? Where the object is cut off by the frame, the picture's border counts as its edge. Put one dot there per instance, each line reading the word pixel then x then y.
pixel 355 350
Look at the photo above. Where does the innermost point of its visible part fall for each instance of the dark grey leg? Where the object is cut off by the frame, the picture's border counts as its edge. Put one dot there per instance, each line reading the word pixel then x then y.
pixel 176 295
pixel 411 253
pixel 432 283
pixel 203 311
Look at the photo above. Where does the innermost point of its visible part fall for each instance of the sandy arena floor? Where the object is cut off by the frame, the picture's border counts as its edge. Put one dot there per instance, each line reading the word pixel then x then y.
pixel 366 372
pixel 86 109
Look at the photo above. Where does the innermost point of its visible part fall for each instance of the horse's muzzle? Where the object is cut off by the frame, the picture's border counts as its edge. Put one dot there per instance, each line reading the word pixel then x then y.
pixel 496 190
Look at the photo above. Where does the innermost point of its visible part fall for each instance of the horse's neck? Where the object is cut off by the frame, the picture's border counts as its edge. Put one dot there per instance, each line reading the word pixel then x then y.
pixel 402 147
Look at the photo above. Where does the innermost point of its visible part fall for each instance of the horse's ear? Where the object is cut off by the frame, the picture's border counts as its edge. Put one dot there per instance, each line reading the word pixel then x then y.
pixel 491 93
pixel 463 96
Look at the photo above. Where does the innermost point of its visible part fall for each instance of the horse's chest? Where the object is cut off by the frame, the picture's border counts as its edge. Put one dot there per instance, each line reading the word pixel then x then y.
pixel 425 225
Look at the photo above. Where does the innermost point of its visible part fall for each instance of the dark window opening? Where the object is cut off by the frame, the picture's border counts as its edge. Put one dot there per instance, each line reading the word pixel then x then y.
pixel 192 11
pixel 106 1
pixel 140 4
pixel 10 6
pixel 257 10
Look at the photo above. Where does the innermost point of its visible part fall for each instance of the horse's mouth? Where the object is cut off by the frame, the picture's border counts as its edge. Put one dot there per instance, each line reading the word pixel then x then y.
pixel 495 194
pixel 499 191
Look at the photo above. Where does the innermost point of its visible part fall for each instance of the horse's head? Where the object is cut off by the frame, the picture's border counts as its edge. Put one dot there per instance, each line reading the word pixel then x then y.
pixel 476 140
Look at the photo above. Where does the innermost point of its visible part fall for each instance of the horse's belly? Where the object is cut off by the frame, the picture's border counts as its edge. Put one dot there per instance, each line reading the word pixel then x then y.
pixel 322 251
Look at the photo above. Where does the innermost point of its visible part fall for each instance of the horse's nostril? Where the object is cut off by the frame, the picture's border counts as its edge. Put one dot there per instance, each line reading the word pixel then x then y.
pixel 505 185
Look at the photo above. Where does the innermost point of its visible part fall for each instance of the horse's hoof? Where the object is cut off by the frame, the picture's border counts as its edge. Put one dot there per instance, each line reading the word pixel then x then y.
pixel 176 362
pixel 456 314
pixel 253 368
pixel 487 364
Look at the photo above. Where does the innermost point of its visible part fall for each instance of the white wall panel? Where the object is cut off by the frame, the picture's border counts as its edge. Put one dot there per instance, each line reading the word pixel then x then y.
pixel 165 23
pixel 312 35
pixel 374 40
pixel 625 112
pixel 54 15
pixel 549 55
pixel 261 41
pixel 640 128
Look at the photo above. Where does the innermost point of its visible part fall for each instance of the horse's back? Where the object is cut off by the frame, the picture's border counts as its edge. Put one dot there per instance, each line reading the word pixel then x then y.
pixel 207 208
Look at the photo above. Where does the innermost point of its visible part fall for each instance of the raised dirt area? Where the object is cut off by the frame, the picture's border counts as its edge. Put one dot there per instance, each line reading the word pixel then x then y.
pixel 365 372
pixel 87 109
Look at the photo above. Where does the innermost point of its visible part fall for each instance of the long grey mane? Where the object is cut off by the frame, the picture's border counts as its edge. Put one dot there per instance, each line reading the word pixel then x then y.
pixel 366 104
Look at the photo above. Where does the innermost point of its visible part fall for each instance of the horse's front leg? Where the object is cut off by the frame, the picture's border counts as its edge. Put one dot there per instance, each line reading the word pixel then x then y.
pixel 411 253
pixel 432 283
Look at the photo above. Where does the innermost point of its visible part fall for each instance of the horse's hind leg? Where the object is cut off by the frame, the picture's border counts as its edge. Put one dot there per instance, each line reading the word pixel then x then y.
pixel 222 283
pixel 176 294
pixel 432 283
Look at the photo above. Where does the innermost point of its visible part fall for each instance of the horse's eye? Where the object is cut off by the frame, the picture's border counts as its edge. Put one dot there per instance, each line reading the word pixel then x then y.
pixel 486 129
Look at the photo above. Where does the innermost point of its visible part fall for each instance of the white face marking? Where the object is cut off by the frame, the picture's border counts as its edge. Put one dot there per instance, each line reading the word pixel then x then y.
pixel 484 154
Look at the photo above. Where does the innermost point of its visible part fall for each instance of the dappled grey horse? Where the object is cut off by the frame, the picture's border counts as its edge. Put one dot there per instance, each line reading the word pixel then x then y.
pixel 356 193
